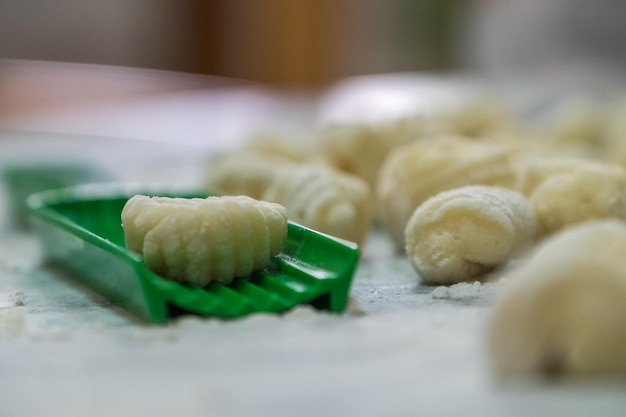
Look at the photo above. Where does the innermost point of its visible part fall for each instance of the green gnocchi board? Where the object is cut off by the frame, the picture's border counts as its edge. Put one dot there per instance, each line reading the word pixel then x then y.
pixel 80 230
pixel 28 177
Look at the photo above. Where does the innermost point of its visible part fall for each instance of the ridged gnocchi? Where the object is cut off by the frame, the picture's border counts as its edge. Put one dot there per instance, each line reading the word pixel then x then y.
pixel 479 118
pixel 562 312
pixel 293 150
pixel 413 173
pixel 589 192
pixel 577 128
pixel 461 234
pixel 243 173
pixel 537 169
pixel 324 199
pixel 354 149
pixel 204 240
pixel 249 170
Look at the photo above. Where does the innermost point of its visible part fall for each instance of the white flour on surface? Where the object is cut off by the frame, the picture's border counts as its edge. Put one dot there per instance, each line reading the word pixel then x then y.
pixel 68 352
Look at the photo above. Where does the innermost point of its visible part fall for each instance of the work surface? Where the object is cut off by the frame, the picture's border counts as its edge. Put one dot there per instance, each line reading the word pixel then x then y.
pixel 67 352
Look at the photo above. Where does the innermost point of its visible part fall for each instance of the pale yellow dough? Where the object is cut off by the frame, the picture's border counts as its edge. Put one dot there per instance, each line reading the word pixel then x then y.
pixel 578 128
pixel 479 119
pixel 355 149
pixel 563 311
pixel 204 240
pixel 570 197
pixel 324 199
pixel 536 169
pixel 245 172
pixel 250 170
pixel 460 234
pixel 413 173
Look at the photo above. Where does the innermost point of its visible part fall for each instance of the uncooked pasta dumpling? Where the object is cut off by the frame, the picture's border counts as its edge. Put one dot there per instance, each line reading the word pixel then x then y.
pixel 563 311
pixel 296 150
pixel 204 240
pixel 413 173
pixel 616 132
pixel 249 170
pixel 242 173
pixel 460 234
pixel 578 128
pixel 537 169
pixel 324 199
pixel 355 149
pixel 590 192
pixel 479 118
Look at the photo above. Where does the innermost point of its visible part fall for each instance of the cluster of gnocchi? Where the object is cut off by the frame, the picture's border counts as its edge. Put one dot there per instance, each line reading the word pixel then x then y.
pixel 354 176
pixel 315 193
pixel 556 204
pixel 462 194
pixel 413 173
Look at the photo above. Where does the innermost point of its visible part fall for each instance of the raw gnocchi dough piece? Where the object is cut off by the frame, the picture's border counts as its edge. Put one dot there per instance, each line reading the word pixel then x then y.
pixel 413 173
pixel 296 150
pixel 563 311
pixel 590 192
pixel 204 240
pixel 577 128
pixel 355 149
pixel 249 170
pixel 460 234
pixel 324 199
pixel 243 172
pixel 479 118
pixel 402 131
pixel 616 132
pixel 537 169
pixel 486 120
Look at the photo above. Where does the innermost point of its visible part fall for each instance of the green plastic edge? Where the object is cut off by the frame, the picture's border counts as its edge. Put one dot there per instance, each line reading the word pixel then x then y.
pixel 159 293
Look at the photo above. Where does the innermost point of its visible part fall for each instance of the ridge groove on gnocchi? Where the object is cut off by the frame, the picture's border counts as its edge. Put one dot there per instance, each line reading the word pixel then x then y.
pixel 324 199
pixel 199 241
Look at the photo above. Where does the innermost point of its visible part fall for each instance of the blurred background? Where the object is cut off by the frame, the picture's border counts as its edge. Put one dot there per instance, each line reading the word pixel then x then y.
pixel 61 53
pixel 304 43
pixel 295 43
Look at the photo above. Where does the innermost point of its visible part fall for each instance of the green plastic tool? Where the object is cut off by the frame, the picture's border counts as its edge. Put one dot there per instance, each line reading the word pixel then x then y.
pixel 28 177
pixel 80 230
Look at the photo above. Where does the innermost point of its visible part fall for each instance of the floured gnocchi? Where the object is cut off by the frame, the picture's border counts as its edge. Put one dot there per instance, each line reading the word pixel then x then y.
pixel 460 234
pixel 324 199
pixel 616 132
pixel 479 118
pixel 578 128
pixel 413 173
pixel 537 169
pixel 354 149
pixel 293 150
pixel 204 240
pixel 563 311
pixel 243 173
pixel 250 170
pixel 589 192
pixel 484 119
